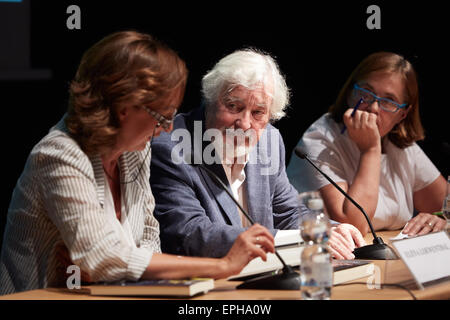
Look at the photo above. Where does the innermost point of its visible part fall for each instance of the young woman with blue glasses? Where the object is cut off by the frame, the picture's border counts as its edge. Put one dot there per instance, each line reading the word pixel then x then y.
pixel 367 144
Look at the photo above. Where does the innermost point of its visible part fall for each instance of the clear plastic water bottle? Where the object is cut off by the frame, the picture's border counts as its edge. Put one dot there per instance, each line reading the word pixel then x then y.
pixel 316 270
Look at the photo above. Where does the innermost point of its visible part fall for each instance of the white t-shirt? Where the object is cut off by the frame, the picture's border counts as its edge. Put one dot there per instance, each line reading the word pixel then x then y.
pixel 403 171
pixel 236 177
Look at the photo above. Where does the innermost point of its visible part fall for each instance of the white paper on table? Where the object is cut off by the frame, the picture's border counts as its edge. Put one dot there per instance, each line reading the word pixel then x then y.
pixel 287 237
pixel 400 236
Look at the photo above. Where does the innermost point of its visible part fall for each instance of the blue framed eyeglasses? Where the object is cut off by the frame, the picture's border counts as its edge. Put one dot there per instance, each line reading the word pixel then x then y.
pixel 162 121
pixel 369 97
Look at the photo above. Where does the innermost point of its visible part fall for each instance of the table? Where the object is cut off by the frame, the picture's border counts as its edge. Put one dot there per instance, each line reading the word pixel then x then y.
pixel 225 290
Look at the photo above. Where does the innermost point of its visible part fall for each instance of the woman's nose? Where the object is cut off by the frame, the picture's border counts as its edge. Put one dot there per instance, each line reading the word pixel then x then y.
pixel 374 106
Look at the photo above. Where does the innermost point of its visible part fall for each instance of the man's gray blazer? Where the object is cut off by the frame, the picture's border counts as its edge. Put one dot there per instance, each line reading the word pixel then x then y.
pixel 196 216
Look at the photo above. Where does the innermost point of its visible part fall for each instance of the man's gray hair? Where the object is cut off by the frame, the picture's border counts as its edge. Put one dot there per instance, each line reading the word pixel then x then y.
pixel 248 68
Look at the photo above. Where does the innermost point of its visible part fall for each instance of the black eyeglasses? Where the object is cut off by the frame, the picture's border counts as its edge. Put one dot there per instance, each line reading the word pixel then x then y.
pixel 162 121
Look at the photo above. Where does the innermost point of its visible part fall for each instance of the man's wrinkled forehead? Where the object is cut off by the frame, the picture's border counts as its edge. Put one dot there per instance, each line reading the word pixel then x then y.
pixel 238 93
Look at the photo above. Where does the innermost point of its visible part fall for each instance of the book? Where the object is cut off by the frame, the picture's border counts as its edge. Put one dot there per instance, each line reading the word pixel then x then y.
pixel 348 270
pixel 343 270
pixel 289 253
pixel 288 244
pixel 180 288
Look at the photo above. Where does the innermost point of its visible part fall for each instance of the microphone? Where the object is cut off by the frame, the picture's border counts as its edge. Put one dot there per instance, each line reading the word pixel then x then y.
pixel 287 280
pixel 376 251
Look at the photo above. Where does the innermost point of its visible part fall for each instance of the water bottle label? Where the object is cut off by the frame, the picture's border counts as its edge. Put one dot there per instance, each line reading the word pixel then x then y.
pixel 323 273
pixel 317 274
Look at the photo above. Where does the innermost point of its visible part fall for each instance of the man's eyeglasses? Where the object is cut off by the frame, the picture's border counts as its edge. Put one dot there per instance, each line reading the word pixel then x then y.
pixel 162 121
pixel 369 97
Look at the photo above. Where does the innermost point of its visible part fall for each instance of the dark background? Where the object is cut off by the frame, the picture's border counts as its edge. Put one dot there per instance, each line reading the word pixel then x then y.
pixel 316 44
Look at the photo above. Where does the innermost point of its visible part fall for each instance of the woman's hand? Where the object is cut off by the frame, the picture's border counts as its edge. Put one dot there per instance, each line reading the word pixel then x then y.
pixel 424 223
pixel 343 240
pixel 363 130
pixel 252 243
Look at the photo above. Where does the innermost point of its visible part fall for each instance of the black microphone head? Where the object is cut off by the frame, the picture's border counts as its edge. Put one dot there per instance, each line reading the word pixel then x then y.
pixel 300 153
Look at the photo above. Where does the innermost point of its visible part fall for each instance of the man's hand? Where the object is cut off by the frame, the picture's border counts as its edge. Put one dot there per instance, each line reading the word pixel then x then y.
pixel 252 243
pixel 344 239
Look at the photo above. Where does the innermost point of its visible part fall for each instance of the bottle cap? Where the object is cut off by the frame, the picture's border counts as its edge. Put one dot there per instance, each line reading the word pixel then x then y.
pixel 315 204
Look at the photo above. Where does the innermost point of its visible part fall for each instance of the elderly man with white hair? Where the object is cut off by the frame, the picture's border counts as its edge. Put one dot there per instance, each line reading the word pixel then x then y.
pixel 232 136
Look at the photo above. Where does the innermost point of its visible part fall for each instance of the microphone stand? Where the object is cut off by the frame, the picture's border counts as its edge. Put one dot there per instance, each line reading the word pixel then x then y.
pixel 376 251
pixel 287 280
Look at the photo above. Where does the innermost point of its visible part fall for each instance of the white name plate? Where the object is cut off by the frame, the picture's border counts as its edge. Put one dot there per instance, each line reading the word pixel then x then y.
pixel 427 257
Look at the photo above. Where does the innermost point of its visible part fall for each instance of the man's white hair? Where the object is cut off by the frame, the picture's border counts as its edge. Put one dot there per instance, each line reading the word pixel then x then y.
pixel 249 68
